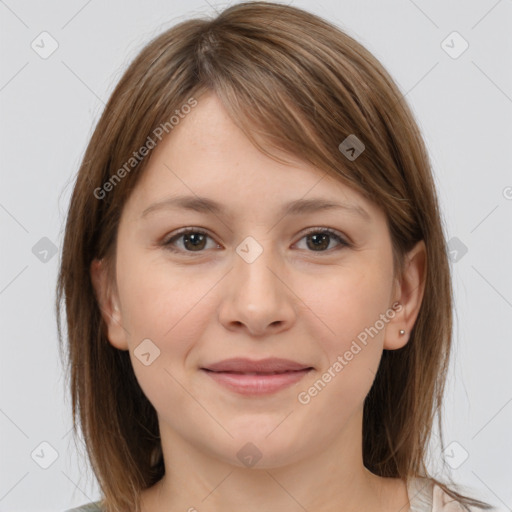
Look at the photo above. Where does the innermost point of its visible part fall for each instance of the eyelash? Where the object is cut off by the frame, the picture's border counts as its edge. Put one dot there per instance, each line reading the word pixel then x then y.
pixel 168 244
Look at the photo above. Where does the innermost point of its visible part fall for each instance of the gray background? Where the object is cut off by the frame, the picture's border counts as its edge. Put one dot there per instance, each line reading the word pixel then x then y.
pixel 49 107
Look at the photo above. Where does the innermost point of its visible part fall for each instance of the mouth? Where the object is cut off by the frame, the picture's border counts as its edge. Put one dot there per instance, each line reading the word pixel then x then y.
pixel 262 366
pixel 256 378
pixel 255 373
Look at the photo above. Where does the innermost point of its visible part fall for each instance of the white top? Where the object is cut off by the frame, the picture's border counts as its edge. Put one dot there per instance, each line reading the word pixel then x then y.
pixel 424 496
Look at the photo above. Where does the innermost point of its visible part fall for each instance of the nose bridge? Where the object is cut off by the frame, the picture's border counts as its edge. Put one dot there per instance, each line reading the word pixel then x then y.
pixel 257 296
pixel 255 267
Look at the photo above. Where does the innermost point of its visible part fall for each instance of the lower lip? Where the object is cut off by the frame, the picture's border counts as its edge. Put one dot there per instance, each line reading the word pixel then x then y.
pixel 257 384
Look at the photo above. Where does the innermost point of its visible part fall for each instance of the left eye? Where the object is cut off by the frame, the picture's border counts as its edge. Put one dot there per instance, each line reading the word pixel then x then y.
pixel 322 237
pixel 194 240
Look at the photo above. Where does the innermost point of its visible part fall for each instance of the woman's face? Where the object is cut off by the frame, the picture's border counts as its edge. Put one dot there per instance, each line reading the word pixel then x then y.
pixel 263 282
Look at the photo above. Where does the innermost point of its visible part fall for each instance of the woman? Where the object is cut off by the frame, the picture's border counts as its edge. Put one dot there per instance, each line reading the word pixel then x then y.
pixel 257 290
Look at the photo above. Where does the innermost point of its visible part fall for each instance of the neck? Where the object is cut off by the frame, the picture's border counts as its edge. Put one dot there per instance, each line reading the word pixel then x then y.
pixel 332 478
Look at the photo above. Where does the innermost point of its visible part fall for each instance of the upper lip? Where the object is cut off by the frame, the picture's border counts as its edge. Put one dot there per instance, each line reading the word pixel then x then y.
pixel 243 365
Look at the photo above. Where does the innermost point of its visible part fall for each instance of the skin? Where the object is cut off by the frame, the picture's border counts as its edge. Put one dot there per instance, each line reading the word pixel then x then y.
pixel 294 301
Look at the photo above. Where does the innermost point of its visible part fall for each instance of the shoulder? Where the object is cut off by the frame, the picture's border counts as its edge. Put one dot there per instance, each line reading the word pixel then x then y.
pixel 443 502
pixel 426 496
pixel 89 507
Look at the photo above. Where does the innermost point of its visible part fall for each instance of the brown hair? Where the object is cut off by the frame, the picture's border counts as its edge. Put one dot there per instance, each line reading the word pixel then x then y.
pixel 291 81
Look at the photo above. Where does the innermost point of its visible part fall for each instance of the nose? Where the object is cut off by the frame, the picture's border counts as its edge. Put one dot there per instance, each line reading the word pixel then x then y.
pixel 257 297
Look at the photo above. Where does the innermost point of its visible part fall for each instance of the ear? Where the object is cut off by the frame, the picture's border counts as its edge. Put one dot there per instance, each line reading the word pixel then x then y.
pixel 408 295
pixel 108 303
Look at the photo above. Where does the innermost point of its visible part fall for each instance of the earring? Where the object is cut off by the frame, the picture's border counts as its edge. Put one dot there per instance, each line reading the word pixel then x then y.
pixel 401 332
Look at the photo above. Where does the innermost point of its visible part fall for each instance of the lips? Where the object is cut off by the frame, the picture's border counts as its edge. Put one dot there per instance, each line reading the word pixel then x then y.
pixel 268 366
pixel 256 378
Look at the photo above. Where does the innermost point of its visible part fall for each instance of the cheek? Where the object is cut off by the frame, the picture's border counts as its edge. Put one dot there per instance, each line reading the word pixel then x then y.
pixel 351 303
pixel 351 335
pixel 159 300
pixel 351 355
pixel 173 311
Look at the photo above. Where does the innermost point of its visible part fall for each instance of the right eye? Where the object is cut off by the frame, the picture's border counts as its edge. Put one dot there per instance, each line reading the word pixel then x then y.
pixel 194 240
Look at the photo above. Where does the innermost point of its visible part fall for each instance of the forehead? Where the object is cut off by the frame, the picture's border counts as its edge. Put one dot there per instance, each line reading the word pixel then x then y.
pixel 207 155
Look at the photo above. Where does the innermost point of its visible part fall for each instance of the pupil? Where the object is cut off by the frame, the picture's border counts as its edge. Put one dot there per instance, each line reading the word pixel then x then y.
pixel 322 244
pixel 196 239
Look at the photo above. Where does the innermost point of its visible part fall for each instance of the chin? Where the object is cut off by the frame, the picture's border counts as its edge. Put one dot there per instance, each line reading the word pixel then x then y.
pixel 257 448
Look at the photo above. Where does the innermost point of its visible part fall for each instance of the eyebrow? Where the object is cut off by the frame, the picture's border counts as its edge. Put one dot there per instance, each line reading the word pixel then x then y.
pixel 297 207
